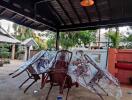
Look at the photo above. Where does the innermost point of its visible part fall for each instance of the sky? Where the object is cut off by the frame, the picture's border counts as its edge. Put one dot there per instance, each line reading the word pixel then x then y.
pixel 5 24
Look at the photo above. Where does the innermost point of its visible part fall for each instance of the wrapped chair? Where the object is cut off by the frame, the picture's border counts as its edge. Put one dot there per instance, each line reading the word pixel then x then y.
pixel 101 74
pixel 58 73
pixel 32 74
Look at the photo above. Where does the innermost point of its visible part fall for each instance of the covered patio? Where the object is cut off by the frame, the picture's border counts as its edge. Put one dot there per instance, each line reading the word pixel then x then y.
pixel 64 16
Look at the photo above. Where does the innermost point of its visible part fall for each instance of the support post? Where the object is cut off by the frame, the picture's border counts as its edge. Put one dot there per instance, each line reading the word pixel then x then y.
pixel 13 52
pixel 57 40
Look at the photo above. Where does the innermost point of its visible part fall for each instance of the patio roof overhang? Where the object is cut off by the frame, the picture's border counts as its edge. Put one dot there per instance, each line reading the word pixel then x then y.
pixel 67 15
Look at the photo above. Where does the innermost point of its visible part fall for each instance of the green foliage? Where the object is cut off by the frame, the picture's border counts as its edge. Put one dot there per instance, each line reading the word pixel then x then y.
pixel 115 38
pixel 67 40
pixel 129 38
pixel 50 43
pixel 128 41
pixel 22 33
pixel 71 39
pixel 4 51
pixel 87 37
pixel 51 40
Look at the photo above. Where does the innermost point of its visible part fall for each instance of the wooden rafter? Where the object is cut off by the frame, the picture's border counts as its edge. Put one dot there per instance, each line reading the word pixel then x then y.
pixel 74 10
pixel 88 16
pixel 57 14
pixel 13 16
pixel 3 11
pixel 97 10
pixel 106 23
pixel 66 13
pixel 110 9
pixel 28 15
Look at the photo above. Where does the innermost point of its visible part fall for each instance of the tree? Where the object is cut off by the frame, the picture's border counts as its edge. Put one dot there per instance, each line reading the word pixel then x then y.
pixel 51 39
pixel 4 52
pixel 71 39
pixel 128 41
pixel 67 40
pixel 115 37
pixel 50 43
pixel 86 37
pixel 22 33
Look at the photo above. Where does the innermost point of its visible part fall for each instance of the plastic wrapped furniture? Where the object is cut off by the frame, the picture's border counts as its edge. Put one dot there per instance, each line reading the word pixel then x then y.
pixel 35 66
pixel 32 74
pixel 58 73
pixel 90 75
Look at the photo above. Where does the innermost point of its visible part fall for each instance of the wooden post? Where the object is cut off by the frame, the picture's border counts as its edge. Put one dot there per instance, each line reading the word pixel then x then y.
pixel 57 40
pixel 28 50
pixel 26 53
pixel 13 52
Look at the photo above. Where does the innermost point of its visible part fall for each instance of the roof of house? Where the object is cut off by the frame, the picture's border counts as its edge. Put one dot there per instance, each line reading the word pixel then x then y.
pixel 6 38
pixel 30 42
pixel 67 15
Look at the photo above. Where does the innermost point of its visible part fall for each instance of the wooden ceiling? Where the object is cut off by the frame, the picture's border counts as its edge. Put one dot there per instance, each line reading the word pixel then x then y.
pixel 67 15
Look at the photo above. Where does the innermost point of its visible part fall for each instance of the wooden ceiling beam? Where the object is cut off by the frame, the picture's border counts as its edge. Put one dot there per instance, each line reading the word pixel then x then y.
pixel 2 11
pixel 57 14
pixel 88 16
pixel 22 20
pixel 97 10
pixel 114 22
pixel 75 11
pixel 13 16
pixel 110 8
pixel 23 13
pixel 66 13
pixel 31 23
pixel 48 16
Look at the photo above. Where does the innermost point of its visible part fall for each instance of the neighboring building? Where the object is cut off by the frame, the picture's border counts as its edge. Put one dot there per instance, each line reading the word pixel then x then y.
pixel 6 38
pixel 28 45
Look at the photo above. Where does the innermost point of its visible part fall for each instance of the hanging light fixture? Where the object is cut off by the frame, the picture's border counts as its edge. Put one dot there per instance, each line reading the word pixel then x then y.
pixel 86 3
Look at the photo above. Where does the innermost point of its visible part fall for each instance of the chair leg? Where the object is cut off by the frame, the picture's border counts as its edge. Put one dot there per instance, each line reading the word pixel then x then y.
pixel 29 86
pixel 49 92
pixel 97 93
pixel 67 93
pixel 44 79
pixel 24 82
pixel 102 89
pixel 62 87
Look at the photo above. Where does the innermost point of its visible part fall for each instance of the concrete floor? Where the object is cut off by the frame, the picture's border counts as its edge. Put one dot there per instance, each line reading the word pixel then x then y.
pixel 9 88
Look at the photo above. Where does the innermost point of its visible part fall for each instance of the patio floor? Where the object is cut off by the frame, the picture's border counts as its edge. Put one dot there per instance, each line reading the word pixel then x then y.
pixel 9 88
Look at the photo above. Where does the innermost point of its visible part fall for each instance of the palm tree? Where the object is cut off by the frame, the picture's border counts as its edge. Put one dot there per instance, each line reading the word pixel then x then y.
pixel 115 37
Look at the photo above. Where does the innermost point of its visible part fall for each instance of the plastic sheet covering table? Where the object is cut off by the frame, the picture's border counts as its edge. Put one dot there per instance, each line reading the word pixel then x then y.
pixel 41 62
pixel 89 74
